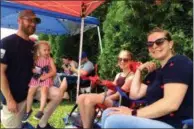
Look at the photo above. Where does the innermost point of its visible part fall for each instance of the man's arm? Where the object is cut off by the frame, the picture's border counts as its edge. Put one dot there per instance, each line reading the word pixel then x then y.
pixel 82 72
pixel 85 70
pixel 4 83
pixel 12 105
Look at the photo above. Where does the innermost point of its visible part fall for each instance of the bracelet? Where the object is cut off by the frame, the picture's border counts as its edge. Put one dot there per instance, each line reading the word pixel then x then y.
pixel 134 112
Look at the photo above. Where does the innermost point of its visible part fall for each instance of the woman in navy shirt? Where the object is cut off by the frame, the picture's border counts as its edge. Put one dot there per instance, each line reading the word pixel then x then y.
pixel 167 90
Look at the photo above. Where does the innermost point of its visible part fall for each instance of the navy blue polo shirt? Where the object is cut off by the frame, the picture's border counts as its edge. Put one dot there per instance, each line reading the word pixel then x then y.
pixel 17 54
pixel 179 69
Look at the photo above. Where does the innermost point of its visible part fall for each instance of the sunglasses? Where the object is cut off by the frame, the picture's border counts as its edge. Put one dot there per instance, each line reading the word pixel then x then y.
pixel 123 59
pixel 32 20
pixel 158 42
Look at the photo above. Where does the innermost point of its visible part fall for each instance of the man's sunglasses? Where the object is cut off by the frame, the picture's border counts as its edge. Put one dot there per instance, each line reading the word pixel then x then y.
pixel 123 59
pixel 158 42
pixel 32 20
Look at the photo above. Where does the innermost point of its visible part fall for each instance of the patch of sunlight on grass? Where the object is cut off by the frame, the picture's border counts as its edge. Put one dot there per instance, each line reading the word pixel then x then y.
pixel 56 120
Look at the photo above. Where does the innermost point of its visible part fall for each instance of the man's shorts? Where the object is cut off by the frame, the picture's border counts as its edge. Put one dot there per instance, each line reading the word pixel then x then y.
pixel 115 103
pixel 11 120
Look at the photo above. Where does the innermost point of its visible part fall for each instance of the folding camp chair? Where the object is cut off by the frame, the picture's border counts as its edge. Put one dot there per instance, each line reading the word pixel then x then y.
pixel 188 123
pixel 92 75
pixel 74 117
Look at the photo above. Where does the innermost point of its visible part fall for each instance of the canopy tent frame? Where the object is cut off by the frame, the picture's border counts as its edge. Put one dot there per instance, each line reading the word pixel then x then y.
pixel 80 53
pixel 83 12
pixel 100 39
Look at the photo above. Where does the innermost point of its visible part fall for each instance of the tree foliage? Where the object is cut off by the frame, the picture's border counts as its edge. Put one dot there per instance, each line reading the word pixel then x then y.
pixel 127 23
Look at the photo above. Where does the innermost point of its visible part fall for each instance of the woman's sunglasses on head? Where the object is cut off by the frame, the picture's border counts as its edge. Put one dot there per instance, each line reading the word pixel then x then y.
pixel 158 42
pixel 123 59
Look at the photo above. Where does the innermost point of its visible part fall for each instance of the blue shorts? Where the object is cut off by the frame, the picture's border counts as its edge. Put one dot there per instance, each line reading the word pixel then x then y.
pixel 116 103
pixel 72 82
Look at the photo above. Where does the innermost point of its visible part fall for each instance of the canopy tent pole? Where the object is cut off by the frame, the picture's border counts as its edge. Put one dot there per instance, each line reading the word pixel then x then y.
pixel 100 40
pixel 80 53
pixel 83 14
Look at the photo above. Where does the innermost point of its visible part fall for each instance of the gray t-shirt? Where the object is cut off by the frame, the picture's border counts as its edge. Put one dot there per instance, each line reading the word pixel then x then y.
pixel 88 66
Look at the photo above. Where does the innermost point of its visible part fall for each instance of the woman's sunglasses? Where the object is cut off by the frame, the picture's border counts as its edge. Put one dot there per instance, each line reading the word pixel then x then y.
pixel 123 59
pixel 158 42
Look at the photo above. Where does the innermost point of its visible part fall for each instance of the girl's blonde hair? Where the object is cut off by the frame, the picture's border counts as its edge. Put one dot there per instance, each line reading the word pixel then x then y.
pixel 37 48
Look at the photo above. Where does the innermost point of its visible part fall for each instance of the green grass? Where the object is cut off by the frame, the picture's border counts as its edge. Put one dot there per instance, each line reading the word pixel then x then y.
pixel 56 118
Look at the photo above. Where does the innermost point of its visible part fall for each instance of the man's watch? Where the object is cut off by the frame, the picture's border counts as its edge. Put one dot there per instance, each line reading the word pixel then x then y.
pixel 134 112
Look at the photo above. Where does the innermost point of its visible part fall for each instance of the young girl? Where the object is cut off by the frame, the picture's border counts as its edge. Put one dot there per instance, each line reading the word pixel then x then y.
pixel 43 73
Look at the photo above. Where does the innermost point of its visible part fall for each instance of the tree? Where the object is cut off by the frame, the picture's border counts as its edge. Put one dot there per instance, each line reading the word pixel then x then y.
pixel 59 49
pixel 43 37
pixel 127 23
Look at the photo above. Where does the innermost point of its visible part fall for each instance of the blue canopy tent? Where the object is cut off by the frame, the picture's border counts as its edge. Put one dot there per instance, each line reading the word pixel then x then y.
pixel 55 20
pixel 51 22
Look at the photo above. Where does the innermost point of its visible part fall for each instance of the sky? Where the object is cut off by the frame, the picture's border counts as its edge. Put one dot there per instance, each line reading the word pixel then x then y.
pixel 6 32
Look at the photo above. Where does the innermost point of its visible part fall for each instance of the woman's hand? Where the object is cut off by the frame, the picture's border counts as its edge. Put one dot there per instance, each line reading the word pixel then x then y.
pixel 149 66
pixel 120 110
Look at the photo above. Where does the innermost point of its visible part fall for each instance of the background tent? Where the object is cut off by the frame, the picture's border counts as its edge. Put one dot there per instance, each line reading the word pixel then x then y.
pixel 79 8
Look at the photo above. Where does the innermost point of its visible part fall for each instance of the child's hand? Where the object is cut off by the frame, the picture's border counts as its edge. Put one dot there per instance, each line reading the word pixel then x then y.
pixel 42 78
pixel 36 70
pixel 33 70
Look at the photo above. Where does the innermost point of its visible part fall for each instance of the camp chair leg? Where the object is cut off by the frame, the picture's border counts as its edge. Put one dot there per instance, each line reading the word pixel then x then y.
pixel 188 123
pixel 71 96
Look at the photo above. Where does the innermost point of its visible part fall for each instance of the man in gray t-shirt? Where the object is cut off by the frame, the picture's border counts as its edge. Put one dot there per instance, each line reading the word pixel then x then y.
pixel 86 66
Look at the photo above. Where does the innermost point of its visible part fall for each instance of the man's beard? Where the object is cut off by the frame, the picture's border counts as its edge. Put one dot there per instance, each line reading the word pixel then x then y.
pixel 27 31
